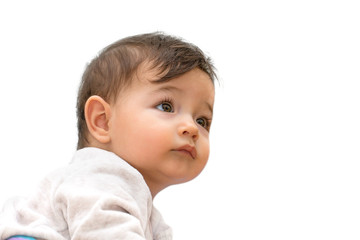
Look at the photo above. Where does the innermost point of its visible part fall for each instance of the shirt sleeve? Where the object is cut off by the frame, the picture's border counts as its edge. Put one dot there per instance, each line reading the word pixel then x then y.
pixel 92 213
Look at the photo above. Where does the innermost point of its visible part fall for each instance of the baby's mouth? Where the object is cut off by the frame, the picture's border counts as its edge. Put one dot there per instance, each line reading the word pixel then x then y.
pixel 188 149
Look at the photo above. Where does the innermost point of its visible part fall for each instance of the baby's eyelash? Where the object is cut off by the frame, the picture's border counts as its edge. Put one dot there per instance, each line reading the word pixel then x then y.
pixel 166 100
pixel 166 105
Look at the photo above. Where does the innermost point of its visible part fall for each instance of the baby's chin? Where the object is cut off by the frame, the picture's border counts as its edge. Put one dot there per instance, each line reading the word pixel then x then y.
pixel 181 175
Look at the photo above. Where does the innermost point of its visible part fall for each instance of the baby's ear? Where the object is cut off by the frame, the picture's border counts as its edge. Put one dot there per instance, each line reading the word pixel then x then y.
pixel 97 115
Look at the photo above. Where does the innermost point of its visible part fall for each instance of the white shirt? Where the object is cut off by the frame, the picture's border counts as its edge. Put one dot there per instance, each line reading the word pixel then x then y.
pixel 98 196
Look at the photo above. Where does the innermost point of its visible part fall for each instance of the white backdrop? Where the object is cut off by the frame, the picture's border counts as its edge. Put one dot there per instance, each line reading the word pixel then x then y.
pixel 285 161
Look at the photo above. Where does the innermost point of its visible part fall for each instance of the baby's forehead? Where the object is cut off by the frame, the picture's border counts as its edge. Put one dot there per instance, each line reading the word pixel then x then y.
pixel 193 88
pixel 158 72
pixel 149 72
pixel 188 81
pixel 147 80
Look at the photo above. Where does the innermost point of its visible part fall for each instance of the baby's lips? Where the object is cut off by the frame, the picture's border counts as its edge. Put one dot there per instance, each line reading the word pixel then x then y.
pixel 189 149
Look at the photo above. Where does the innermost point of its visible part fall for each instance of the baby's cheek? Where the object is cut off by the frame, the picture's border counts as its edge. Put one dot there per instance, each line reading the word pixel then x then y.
pixel 205 146
pixel 204 153
pixel 157 141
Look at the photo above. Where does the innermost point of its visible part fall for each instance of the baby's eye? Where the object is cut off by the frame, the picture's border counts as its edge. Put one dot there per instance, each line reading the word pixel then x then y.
pixel 165 106
pixel 203 122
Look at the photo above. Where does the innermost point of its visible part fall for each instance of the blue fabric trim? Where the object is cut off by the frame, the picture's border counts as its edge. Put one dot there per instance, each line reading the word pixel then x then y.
pixel 19 237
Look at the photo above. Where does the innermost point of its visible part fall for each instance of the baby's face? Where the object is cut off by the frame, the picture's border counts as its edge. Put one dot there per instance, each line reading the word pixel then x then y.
pixel 162 129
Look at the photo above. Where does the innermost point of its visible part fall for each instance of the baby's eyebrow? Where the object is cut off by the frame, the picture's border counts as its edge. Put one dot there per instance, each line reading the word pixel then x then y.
pixel 167 89
pixel 210 107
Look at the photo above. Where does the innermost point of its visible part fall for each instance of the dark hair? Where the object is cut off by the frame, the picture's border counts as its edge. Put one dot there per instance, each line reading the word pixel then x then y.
pixel 113 69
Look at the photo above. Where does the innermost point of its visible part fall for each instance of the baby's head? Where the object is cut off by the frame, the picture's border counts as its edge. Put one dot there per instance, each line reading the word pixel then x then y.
pixel 149 99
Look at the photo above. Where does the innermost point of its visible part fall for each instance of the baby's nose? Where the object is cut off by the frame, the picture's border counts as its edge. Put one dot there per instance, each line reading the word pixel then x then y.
pixel 188 128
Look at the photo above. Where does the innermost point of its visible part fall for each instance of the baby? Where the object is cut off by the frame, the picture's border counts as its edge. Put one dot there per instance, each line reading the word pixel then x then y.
pixel 144 112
